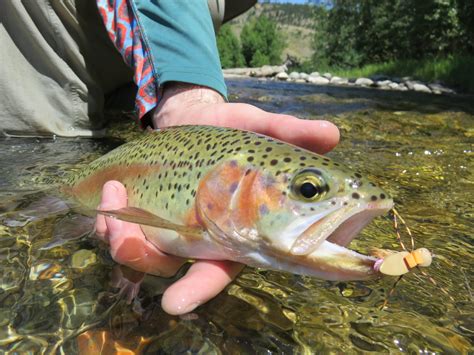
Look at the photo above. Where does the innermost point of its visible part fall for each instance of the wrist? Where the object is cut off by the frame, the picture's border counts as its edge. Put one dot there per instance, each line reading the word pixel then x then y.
pixel 178 98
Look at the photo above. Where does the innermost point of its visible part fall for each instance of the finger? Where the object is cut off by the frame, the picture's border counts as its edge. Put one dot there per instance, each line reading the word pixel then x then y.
pixel 134 251
pixel 113 195
pixel 128 245
pixel 317 135
pixel 203 281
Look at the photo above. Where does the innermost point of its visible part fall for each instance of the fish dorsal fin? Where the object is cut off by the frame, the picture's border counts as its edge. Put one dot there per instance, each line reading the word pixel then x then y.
pixel 141 216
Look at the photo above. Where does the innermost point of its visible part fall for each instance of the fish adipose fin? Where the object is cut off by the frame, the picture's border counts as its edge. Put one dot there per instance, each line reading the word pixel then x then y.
pixel 141 216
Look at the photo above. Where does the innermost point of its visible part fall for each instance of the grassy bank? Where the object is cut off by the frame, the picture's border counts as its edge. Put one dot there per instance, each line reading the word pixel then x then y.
pixel 454 71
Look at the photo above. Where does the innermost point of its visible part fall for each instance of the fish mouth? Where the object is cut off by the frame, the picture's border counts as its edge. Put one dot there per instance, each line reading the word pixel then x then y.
pixel 348 229
pixel 339 226
pixel 322 246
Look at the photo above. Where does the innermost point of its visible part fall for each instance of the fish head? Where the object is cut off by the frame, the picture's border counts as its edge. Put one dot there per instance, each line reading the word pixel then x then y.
pixel 291 217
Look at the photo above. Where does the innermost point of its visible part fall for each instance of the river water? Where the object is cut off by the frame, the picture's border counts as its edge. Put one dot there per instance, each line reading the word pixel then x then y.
pixel 419 147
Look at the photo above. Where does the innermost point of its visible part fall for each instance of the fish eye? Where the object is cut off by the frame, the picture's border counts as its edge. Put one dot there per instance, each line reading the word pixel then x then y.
pixel 308 186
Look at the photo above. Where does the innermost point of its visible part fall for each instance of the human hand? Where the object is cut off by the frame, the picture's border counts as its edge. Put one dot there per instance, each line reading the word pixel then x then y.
pixel 189 104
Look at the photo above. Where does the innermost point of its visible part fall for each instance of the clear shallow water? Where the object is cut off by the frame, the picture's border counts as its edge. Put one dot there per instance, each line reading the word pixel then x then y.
pixel 419 147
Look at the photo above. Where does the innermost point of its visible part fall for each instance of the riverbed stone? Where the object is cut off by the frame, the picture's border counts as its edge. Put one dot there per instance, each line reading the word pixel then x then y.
pixel 282 76
pixel 339 81
pixel 383 83
pixel 364 82
pixel 294 75
pixel 304 76
pixel 318 80
pixel 314 73
pixel 421 88
pixel 393 86
pixel 437 88
pixel 411 83
pixel 327 76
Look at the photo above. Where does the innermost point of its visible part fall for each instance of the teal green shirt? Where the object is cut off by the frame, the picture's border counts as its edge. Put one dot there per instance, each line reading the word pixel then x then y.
pixel 180 37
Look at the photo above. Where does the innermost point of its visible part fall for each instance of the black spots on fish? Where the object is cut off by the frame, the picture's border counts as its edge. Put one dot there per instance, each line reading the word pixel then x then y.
pixel 297 150
pixel 314 158
pixel 287 159
pixel 302 157
pixel 302 165
pixel 251 151
pixel 198 175
pixel 156 193
pixel 141 195
pixel 337 164
pixel 372 184
pixel 250 159
pixel 187 202
pixel 172 196
pixel 373 198
pixel 237 149
pixel 248 171
pixel 166 205
pixel 273 162
pixel 325 163
pixel 345 203
pixel 333 203
pixel 264 156
pixel 382 196
pixel 262 163
pixel 193 193
pixel 327 160
pixel 358 175
pixel 268 149
pixel 355 195
pixel 311 209
pixel 257 142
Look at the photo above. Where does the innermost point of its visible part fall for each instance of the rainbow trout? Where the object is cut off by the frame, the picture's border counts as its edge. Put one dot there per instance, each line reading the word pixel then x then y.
pixel 206 192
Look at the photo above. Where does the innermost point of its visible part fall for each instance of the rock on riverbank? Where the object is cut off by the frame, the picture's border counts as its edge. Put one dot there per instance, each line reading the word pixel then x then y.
pixel 381 82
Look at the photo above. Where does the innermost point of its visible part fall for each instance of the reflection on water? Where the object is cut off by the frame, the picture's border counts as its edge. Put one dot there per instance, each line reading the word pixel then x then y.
pixel 418 147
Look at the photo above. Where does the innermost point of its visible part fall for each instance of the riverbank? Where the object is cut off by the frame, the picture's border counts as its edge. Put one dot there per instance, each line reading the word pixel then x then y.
pixel 382 82
pixel 454 74
pixel 457 72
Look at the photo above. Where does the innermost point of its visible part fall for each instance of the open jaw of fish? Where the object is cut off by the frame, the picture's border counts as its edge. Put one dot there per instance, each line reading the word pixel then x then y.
pixel 317 245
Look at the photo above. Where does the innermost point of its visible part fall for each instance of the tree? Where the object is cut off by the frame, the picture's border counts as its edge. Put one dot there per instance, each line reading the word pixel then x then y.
pixel 353 33
pixel 261 42
pixel 229 48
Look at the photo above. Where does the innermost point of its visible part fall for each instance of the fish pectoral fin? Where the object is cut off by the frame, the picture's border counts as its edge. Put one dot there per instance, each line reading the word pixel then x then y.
pixel 141 216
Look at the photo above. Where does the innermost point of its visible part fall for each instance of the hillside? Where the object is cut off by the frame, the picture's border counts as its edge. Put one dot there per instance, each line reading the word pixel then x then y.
pixel 294 21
